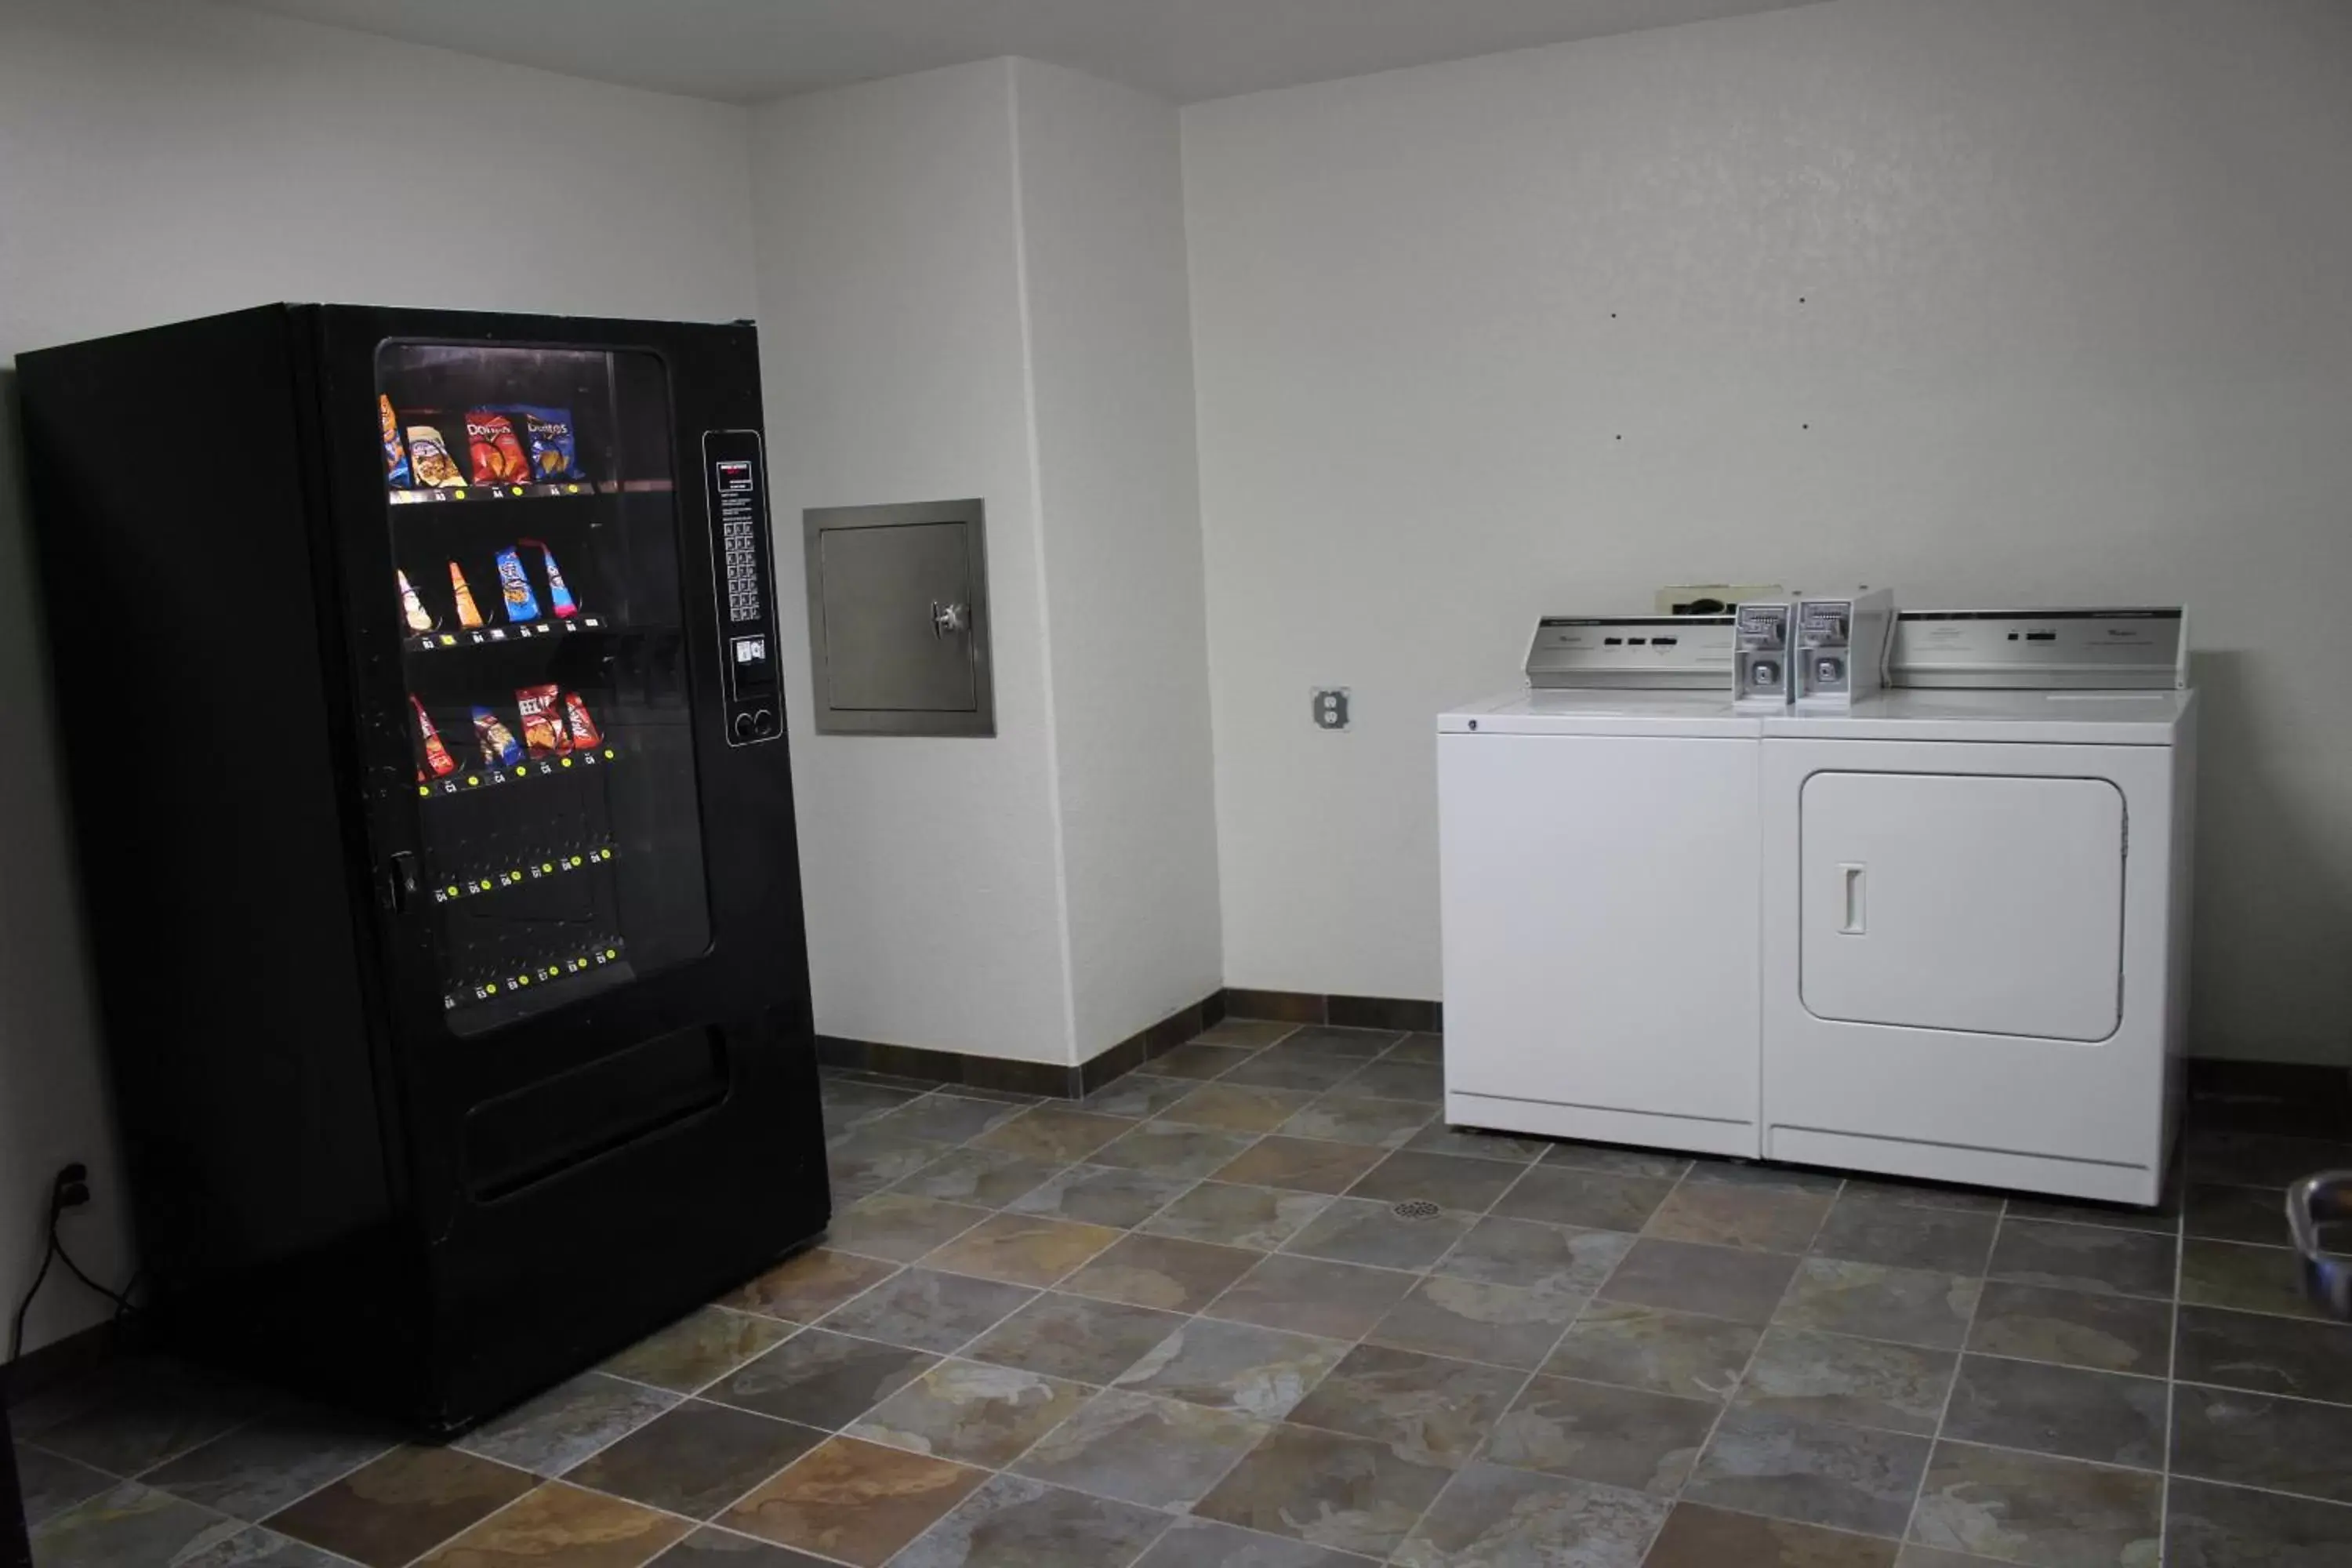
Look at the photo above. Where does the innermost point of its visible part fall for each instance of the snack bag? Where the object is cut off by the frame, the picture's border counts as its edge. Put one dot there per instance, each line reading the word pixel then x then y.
pixel 469 615
pixel 544 734
pixel 428 457
pixel 559 597
pixel 395 456
pixel 436 755
pixel 497 454
pixel 499 747
pixel 412 608
pixel 553 451
pixel 522 604
pixel 584 733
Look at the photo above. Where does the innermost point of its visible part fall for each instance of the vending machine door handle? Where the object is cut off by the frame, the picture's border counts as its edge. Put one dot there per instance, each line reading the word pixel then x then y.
pixel 396 880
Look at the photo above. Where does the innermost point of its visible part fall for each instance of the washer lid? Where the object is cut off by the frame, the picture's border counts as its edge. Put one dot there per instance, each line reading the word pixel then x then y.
pixel 1603 712
pixel 2047 718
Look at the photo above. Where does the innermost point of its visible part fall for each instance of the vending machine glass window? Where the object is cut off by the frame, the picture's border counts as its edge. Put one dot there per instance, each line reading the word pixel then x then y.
pixel 535 569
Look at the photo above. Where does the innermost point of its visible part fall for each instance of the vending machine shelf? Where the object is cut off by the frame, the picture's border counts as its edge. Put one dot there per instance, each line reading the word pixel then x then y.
pixel 522 874
pixel 441 495
pixel 487 636
pixel 466 779
pixel 587 959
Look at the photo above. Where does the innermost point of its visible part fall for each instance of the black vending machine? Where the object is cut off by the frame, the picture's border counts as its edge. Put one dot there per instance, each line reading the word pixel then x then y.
pixel 416 672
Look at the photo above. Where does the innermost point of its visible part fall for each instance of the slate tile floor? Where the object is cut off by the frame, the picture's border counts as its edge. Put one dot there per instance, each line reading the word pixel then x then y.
pixel 1182 1325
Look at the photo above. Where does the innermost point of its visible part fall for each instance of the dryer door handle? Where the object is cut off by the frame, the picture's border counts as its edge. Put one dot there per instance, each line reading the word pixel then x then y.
pixel 1855 913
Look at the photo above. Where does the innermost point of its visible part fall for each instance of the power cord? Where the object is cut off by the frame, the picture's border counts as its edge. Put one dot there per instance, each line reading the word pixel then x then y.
pixel 68 1189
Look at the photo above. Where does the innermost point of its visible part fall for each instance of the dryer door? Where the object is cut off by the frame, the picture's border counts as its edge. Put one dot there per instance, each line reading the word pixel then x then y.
pixel 1964 977
pixel 1963 901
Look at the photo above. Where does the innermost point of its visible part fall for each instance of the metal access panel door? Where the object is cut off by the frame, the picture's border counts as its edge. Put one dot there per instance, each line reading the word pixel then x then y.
pixel 898 619
pixel 1980 903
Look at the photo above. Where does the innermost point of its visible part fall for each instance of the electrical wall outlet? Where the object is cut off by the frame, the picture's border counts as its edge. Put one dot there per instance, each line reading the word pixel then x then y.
pixel 1330 707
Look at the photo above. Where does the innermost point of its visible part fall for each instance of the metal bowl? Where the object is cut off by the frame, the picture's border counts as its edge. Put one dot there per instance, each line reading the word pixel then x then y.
pixel 2315 1200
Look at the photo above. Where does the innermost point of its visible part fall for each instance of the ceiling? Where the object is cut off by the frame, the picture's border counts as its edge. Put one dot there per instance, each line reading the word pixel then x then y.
pixel 748 50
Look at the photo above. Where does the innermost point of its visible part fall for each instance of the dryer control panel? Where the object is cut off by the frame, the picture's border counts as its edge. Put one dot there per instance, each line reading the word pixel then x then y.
pixel 2122 649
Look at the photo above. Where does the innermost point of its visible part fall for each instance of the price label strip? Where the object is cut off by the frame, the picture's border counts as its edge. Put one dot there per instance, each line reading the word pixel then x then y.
pixel 583 961
pixel 467 780
pixel 515 876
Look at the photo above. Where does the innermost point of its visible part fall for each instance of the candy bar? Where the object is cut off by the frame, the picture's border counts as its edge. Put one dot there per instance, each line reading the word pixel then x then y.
pixel 522 604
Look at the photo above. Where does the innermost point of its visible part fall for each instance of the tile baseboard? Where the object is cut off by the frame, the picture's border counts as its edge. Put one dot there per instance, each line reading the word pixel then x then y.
pixel 1342 1012
pixel 1051 1079
pixel 60 1361
pixel 2298 1099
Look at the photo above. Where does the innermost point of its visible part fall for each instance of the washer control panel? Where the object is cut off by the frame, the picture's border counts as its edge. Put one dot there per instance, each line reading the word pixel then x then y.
pixel 1660 652
pixel 735 488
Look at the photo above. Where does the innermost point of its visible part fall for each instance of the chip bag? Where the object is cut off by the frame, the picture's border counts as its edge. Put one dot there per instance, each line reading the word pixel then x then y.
pixel 469 614
pixel 499 747
pixel 436 755
pixel 554 453
pixel 544 734
pixel 514 586
pixel 428 457
pixel 395 455
pixel 497 454
pixel 584 733
pixel 412 608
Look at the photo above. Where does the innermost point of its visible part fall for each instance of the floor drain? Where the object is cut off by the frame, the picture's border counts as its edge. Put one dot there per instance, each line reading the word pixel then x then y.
pixel 1415 1208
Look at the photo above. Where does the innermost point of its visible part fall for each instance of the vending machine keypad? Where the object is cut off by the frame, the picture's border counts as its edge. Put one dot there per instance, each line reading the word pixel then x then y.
pixel 735 477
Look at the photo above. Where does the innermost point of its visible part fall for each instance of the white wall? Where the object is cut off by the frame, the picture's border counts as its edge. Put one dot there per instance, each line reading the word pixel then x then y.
pixel 162 161
pixel 972 282
pixel 1994 302
pixel 892 335
pixel 1102 224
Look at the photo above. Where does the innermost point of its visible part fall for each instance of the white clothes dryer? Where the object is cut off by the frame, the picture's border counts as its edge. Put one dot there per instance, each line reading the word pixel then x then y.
pixel 1975 907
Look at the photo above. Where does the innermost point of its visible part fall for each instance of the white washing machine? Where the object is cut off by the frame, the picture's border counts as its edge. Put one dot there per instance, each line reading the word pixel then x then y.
pixel 1598 883
pixel 1975 907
